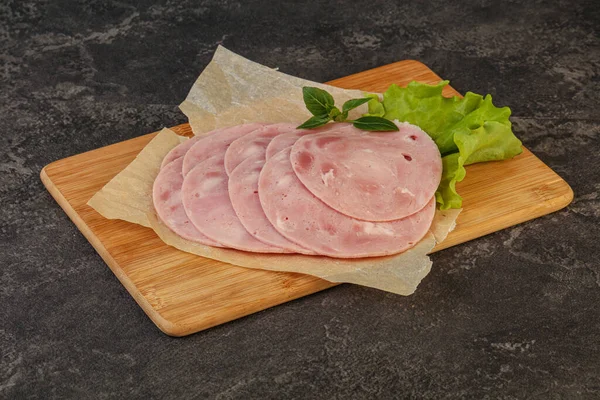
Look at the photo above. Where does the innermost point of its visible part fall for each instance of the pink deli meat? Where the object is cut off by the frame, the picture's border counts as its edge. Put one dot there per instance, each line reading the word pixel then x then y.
pixel 215 144
pixel 375 176
pixel 254 144
pixel 206 200
pixel 179 151
pixel 182 149
pixel 302 218
pixel 166 195
pixel 243 192
pixel 286 140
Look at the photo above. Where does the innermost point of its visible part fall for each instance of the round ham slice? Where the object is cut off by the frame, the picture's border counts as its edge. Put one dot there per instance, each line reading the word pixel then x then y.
pixel 166 195
pixel 287 139
pixel 179 151
pixel 302 218
pixel 243 193
pixel 254 144
pixel 375 176
pixel 182 149
pixel 206 201
pixel 284 141
pixel 215 144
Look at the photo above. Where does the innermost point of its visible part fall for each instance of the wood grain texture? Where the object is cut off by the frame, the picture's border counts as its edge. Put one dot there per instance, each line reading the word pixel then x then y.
pixel 183 293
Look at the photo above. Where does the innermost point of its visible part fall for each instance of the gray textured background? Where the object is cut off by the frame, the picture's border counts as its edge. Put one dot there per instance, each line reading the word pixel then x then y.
pixel 511 315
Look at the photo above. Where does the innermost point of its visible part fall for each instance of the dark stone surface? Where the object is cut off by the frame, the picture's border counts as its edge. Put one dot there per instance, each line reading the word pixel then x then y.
pixel 511 315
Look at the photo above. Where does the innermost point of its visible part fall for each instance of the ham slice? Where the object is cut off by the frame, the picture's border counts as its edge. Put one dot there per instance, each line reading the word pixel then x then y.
pixel 373 176
pixel 179 151
pixel 243 193
pixel 288 139
pixel 166 194
pixel 254 144
pixel 215 144
pixel 206 201
pixel 302 218
pixel 182 149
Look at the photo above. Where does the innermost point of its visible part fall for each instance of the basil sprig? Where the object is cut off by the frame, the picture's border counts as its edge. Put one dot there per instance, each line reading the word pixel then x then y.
pixel 322 106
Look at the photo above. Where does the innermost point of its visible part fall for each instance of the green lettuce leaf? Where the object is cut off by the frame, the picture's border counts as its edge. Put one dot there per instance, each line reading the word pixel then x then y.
pixel 446 194
pixel 467 130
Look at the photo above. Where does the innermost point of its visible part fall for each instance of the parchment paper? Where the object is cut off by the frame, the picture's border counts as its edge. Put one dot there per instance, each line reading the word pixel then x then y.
pixel 233 90
pixel 128 196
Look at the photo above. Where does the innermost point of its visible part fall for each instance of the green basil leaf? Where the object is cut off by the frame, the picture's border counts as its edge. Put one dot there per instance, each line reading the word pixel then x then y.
pixel 317 101
pixel 352 104
pixel 374 124
pixel 316 121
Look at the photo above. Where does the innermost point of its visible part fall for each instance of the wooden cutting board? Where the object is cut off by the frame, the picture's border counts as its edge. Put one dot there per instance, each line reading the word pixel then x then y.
pixel 183 293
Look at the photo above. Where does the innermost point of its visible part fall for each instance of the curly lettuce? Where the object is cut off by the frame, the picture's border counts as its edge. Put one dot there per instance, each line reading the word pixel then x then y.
pixel 467 130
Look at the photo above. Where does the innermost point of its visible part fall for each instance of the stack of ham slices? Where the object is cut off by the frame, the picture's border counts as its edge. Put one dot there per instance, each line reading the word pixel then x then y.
pixel 335 191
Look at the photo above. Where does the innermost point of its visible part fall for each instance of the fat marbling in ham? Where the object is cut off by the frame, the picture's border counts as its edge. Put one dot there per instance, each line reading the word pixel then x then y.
pixel 304 219
pixel 254 144
pixel 206 201
pixel 216 144
pixel 243 193
pixel 182 149
pixel 179 151
pixel 167 203
pixel 373 176
pixel 334 191
pixel 287 139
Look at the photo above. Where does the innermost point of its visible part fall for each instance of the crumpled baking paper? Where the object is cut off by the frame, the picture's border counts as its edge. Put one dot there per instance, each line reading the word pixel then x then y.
pixel 233 90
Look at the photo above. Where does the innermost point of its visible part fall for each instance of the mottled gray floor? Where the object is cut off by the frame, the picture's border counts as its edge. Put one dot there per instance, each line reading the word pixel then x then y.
pixel 511 315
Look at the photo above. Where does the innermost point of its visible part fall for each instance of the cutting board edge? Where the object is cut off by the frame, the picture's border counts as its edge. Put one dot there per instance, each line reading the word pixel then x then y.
pixel 385 67
pixel 166 326
pixel 548 207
